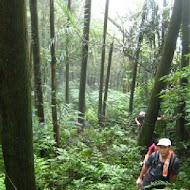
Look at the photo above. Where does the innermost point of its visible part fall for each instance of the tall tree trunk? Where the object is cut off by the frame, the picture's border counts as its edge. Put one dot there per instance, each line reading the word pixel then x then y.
pixel 87 15
pixel 15 97
pixel 107 79
pixel 36 60
pixel 43 33
pixel 146 134
pixel 180 123
pixel 140 39
pixel 53 75
pixel 67 58
pixel 164 25
pixel 102 62
pixel 31 55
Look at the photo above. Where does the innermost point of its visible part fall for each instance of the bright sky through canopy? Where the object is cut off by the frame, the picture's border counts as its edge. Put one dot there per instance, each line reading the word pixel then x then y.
pixel 119 7
pixel 115 6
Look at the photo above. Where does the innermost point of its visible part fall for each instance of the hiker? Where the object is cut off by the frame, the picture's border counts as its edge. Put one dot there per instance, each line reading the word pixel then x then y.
pixel 153 148
pixel 161 166
pixel 139 120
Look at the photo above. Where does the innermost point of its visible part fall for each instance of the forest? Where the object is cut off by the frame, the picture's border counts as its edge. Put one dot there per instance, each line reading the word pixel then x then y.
pixel 75 75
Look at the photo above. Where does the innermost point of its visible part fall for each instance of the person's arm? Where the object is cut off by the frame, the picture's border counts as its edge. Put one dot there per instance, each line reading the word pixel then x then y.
pixel 146 156
pixel 144 169
pixel 137 122
pixel 172 180
pixel 143 172
pixel 160 118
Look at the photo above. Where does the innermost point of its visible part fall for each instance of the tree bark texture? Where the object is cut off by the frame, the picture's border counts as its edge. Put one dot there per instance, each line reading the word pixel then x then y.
pixel 181 135
pixel 67 58
pixel 53 75
pixel 164 16
pixel 140 39
pixel 15 97
pixel 107 79
pixel 146 134
pixel 102 62
pixel 36 60
pixel 87 16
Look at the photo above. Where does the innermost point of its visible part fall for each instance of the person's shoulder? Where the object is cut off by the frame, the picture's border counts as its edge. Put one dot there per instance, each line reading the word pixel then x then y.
pixel 154 155
pixel 152 158
pixel 175 159
pixel 174 155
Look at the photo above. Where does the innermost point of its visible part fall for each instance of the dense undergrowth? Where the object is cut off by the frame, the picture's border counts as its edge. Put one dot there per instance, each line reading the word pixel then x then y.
pixel 105 159
pixel 97 158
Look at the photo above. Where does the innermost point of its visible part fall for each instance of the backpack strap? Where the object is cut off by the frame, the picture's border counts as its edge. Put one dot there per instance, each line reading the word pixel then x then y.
pixel 156 158
pixel 173 157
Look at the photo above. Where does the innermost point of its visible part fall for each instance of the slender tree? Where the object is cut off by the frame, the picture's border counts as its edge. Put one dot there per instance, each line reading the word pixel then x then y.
pixel 102 62
pixel 107 79
pixel 36 60
pixel 87 15
pixel 180 123
pixel 146 134
pixel 67 58
pixel 164 16
pixel 137 52
pixel 15 97
pixel 53 75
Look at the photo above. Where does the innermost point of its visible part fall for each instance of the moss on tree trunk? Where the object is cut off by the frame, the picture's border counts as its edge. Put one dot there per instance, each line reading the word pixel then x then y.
pixel 15 97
